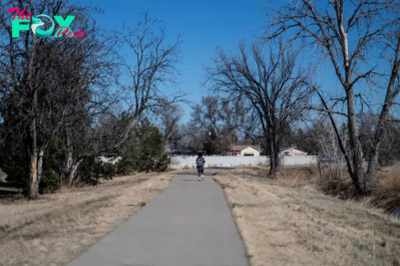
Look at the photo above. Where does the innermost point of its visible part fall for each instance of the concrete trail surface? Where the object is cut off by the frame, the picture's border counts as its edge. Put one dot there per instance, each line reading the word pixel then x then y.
pixel 189 224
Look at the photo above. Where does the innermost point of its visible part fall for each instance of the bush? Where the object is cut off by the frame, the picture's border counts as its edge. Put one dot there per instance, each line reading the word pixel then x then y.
pixel 91 170
pixel 50 181
pixel 53 162
pixel 144 150
pixel 13 161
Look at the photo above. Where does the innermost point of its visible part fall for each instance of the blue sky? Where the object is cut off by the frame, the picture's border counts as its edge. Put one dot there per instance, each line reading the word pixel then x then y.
pixel 204 24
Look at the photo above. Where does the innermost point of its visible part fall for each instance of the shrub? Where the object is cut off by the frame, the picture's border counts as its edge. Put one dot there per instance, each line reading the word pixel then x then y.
pixel 92 169
pixel 13 161
pixel 144 150
pixel 50 181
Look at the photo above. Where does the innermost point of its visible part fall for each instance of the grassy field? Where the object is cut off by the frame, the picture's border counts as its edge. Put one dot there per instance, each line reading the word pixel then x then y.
pixel 285 223
pixel 58 227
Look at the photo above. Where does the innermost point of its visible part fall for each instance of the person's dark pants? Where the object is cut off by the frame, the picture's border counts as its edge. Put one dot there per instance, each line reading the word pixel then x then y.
pixel 200 169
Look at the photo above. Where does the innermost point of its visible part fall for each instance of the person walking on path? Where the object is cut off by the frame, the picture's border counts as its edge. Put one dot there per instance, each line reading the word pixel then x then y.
pixel 200 166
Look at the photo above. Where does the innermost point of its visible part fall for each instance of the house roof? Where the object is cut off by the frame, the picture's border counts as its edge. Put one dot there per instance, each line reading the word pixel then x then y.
pixel 242 147
pixel 292 148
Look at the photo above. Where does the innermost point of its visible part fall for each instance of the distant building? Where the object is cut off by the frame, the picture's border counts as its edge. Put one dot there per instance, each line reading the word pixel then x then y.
pixel 109 158
pixel 291 152
pixel 245 150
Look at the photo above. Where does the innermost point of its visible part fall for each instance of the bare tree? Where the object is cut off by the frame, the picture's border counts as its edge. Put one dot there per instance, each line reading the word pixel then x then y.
pixel 44 80
pixel 169 115
pixel 273 86
pixel 221 116
pixel 351 35
pixel 84 78
pixel 328 147
pixel 152 64
pixel 389 149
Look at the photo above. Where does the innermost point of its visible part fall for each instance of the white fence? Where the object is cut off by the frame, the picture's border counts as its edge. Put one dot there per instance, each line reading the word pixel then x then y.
pixel 180 162
pixel 299 160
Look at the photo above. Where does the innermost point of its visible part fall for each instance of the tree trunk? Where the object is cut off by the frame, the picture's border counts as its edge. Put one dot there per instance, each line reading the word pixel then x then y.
pixel 128 129
pixel 373 163
pixel 33 186
pixel 34 179
pixel 35 174
pixel 72 172
pixel 40 166
pixel 370 178
pixel 273 156
pixel 357 172
pixel 272 168
pixel 69 160
pixel 319 166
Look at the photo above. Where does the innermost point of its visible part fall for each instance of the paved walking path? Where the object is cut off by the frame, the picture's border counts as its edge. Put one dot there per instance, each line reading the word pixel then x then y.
pixel 189 224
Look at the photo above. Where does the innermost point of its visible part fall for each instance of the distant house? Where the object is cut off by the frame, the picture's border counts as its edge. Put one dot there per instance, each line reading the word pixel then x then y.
pixel 291 152
pixel 109 158
pixel 245 150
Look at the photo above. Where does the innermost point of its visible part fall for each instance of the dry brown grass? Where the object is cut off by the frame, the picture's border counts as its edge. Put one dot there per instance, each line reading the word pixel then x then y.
pixel 308 177
pixel 386 195
pixel 283 225
pixel 58 227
